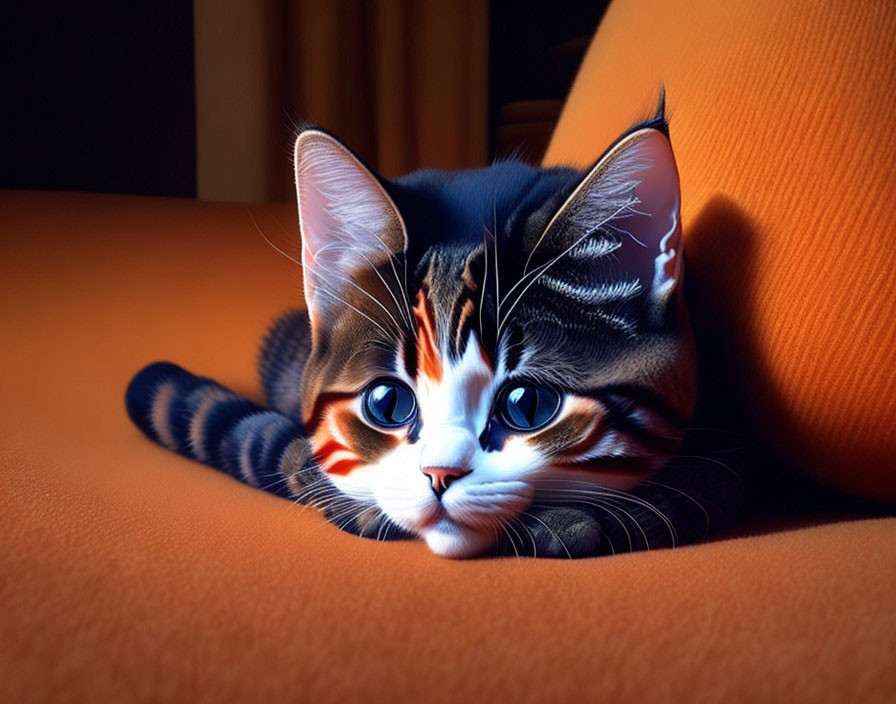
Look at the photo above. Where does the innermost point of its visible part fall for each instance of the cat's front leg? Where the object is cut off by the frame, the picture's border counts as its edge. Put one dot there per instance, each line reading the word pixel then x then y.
pixel 561 532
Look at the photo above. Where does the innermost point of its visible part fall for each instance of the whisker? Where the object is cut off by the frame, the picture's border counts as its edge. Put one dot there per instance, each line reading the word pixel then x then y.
pixel 606 509
pixel 349 305
pixel 484 280
pixel 350 282
pixel 707 459
pixel 548 528
pixel 607 493
pixel 497 265
pixel 686 495
pixel 539 271
pixel 402 283
pixel 372 266
pixel 510 538
pixel 265 237
pixel 526 531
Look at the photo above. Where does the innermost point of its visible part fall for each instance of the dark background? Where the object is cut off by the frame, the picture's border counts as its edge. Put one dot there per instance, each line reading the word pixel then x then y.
pixel 100 96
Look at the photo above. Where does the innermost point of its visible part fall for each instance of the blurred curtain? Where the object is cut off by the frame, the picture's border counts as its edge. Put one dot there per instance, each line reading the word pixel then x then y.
pixel 403 82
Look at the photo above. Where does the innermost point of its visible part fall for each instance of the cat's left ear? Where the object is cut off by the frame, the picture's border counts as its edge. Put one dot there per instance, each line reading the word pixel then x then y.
pixel 626 211
pixel 348 221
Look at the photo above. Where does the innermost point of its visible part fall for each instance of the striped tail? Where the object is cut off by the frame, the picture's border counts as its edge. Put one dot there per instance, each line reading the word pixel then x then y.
pixel 201 419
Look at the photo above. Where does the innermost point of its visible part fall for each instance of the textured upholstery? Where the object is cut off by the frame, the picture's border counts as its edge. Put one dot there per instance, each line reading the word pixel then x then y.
pixel 130 574
pixel 782 119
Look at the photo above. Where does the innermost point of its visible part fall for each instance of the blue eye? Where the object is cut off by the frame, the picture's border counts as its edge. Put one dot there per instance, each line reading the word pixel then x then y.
pixel 526 407
pixel 389 404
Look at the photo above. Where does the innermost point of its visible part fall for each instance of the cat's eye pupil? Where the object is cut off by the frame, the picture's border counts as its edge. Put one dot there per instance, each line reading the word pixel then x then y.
pixel 527 407
pixel 389 404
pixel 522 403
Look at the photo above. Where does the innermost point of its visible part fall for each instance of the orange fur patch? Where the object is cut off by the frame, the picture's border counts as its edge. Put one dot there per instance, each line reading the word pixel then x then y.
pixel 429 361
pixel 327 448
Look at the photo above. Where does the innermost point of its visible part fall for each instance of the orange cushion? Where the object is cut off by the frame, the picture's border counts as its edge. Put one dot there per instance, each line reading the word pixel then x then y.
pixel 782 122
pixel 128 573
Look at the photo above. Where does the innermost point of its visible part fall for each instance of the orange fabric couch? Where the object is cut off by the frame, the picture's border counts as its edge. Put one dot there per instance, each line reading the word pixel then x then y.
pixel 130 574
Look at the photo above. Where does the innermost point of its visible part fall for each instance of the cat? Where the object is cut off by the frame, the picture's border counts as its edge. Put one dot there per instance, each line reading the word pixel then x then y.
pixel 496 360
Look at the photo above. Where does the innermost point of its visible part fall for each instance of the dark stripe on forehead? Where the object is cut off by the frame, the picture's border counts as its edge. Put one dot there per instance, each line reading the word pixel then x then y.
pixel 515 345
pixel 462 320
pixel 451 288
pixel 464 326
pixel 409 355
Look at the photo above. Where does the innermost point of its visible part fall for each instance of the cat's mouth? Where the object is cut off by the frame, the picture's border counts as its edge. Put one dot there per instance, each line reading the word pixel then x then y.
pixel 466 522
pixel 433 516
pixel 448 538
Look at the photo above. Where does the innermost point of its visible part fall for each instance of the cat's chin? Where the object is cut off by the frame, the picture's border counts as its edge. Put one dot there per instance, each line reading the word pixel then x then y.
pixel 448 539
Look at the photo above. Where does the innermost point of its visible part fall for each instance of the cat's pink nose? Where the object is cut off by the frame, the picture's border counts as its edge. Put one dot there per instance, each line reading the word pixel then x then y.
pixel 442 477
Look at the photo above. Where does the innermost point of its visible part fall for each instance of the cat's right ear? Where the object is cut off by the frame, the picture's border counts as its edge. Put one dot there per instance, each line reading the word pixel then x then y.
pixel 348 221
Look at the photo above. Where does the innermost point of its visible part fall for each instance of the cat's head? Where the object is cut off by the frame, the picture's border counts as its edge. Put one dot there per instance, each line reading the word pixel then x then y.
pixel 485 338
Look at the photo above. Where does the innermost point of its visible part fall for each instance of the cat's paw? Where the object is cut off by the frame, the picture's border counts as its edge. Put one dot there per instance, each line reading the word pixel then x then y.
pixel 565 533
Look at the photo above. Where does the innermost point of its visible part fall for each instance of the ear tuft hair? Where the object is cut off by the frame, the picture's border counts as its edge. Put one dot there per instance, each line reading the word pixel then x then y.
pixel 659 121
